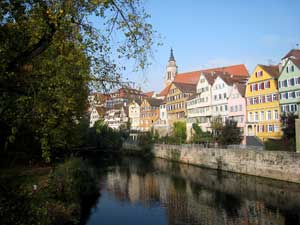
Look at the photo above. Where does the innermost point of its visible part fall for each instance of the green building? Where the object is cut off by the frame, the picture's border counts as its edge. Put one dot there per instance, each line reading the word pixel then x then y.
pixel 289 82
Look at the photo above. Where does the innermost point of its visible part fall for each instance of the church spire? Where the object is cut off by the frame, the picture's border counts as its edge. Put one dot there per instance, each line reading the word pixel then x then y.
pixel 172 56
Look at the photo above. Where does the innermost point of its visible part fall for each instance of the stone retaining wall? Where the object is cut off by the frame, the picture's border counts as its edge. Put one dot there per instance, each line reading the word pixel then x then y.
pixel 271 164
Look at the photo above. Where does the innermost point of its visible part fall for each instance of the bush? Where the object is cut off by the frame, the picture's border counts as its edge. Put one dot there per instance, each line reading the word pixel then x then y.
pixel 277 145
pixel 69 185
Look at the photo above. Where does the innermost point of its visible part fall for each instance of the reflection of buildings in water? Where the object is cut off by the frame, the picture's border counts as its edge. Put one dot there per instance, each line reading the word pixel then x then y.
pixel 187 202
pixel 134 188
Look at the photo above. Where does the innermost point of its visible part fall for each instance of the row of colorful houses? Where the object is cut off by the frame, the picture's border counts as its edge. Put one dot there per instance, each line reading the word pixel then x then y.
pixel 255 101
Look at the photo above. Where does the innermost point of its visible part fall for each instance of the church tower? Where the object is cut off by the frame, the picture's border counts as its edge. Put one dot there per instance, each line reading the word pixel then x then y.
pixel 171 70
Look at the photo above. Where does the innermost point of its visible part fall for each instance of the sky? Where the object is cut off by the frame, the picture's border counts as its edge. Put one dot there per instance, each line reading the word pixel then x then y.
pixel 213 33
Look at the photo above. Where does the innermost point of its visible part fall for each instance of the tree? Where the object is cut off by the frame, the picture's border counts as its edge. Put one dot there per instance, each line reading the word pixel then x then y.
pixel 179 132
pixel 288 129
pixel 50 54
pixel 199 136
pixel 216 126
pixel 230 134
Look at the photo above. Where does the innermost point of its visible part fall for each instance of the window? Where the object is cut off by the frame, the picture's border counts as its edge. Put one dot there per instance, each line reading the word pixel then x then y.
pixel 250 116
pixel 225 107
pixel 276 115
pixel 292 82
pixel 292 94
pixel 256 116
pixel 297 80
pixel 269 115
pixel 293 108
pixel 270 128
pixel 240 107
pixel 267 84
pixel 262 116
pixel 292 68
pixel 279 84
pixel 284 83
pixel 275 97
pixel 255 100
pixel 287 69
pixel 225 96
pixel 276 128
pixel 268 98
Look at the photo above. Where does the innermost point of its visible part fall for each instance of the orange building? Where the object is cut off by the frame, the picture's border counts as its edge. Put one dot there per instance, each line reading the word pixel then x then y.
pixel 149 113
pixel 176 101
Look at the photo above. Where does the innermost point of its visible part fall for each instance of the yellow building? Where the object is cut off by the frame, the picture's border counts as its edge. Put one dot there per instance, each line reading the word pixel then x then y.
pixel 176 101
pixel 263 111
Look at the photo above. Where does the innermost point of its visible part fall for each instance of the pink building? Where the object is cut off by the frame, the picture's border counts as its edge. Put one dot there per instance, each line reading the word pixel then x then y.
pixel 237 106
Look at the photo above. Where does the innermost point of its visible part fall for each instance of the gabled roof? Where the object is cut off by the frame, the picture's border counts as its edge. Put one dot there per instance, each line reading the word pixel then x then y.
pixel 165 91
pixel 154 101
pixel 294 53
pixel 296 62
pixel 209 76
pixel 188 78
pixel 273 70
pixel 186 88
pixel 149 94
pixel 193 77
pixel 138 101
pixel 241 89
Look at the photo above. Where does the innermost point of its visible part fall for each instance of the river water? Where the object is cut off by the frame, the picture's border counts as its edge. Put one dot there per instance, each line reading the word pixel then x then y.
pixel 135 192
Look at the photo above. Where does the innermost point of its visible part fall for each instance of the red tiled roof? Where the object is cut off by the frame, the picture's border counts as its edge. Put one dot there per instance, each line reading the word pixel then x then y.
pixel 295 53
pixel 188 78
pixel 193 77
pixel 186 88
pixel 149 94
pixel 165 91
pixel 273 70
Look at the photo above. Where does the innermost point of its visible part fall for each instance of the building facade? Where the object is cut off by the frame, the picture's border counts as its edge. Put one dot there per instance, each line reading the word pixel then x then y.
pixel 96 114
pixel 134 114
pixel 176 101
pixel 263 111
pixel 116 116
pixel 199 108
pixel 237 107
pixel 289 86
pixel 149 113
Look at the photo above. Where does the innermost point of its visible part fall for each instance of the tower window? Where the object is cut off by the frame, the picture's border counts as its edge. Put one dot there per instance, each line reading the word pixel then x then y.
pixel 169 75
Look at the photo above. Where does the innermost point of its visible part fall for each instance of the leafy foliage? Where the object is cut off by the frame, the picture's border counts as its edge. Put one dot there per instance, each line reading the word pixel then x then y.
pixel 50 53
pixel 230 133
pixel 200 136
pixel 217 127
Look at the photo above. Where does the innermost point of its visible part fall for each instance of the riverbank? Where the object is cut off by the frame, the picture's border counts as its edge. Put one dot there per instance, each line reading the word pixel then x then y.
pixel 46 195
pixel 277 165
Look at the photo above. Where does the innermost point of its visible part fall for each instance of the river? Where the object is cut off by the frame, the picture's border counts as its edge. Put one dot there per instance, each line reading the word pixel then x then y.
pixel 135 192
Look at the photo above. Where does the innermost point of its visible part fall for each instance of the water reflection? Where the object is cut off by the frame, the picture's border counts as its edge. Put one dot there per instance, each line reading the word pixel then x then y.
pixel 161 192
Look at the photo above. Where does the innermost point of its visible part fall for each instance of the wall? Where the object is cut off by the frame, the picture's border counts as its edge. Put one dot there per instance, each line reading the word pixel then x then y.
pixel 298 133
pixel 271 164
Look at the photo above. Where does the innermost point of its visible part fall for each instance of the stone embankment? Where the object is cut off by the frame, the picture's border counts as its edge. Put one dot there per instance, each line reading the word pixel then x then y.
pixel 278 165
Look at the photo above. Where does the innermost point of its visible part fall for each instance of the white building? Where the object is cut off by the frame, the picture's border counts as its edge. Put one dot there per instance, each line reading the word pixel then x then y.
pixel 199 108
pixel 116 116
pixel 134 113
pixel 162 125
pixel 221 90
pixel 96 114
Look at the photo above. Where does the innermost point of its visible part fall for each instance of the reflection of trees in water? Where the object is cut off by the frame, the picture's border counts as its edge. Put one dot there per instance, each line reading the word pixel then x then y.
pixel 229 202
pixel 192 195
